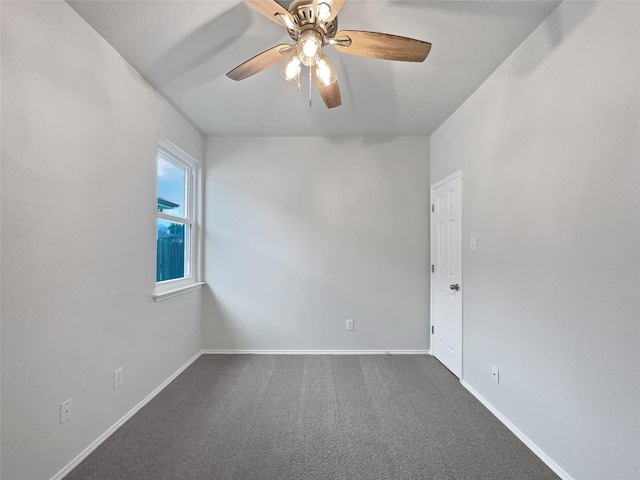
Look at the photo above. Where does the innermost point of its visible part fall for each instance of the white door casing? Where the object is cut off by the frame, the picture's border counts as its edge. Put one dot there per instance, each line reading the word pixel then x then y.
pixel 446 277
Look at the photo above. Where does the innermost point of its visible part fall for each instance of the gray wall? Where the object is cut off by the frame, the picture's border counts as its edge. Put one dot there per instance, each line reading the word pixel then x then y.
pixel 549 146
pixel 79 136
pixel 306 232
pixel 303 233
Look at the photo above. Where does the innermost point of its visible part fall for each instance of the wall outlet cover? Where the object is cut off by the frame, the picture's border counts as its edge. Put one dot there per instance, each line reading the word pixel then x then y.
pixel 118 377
pixel 65 410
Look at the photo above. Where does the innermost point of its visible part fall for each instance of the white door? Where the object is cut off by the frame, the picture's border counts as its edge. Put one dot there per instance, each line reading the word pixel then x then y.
pixel 446 261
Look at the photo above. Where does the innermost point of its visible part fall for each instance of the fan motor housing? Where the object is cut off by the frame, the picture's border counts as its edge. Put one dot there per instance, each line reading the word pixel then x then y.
pixel 305 18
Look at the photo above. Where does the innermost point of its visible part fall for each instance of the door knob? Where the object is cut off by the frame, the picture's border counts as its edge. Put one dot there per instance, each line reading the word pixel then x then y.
pixel 455 286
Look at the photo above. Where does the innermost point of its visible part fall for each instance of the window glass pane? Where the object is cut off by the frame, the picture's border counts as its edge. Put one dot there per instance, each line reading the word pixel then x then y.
pixel 171 248
pixel 171 188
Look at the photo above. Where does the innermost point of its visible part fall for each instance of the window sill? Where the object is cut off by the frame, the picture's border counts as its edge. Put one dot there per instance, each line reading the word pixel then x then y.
pixel 159 296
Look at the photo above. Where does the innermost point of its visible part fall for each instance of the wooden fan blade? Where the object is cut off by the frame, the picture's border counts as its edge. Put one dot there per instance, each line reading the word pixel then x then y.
pixel 335 6
pixel 383 45
pixel 269 8
pixel 330 94
pixel 260 62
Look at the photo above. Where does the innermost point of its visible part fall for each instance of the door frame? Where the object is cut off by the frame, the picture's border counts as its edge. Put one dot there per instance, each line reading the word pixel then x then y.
pixel 433 187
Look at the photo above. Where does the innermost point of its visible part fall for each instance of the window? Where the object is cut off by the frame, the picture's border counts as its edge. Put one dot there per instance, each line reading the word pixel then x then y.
pixel 177 224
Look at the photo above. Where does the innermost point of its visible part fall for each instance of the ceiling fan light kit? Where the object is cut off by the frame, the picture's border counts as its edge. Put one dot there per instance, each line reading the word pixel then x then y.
pixel 312 25
pixel 309 47
pixel 325 71
pixel 290 70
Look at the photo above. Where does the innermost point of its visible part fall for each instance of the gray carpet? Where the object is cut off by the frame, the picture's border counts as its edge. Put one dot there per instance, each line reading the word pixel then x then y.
pixel 313 417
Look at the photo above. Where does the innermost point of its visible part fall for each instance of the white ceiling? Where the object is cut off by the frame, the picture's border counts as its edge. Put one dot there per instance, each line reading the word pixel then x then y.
pixel 184 49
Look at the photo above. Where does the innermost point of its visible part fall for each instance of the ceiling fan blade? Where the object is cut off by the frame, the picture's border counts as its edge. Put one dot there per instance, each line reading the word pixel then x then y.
pixel 330 94
pixel 260 62
pixel 383 45
pixel 270 9
pixel 335 6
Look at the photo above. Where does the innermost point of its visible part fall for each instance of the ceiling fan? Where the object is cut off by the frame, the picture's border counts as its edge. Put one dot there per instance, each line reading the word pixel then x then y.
pixel 313 24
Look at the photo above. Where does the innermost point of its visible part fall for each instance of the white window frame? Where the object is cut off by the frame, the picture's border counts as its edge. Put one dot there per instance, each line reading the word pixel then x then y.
pixel 192 217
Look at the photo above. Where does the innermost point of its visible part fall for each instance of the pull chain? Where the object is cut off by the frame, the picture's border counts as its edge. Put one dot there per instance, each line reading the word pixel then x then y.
pixel 310 86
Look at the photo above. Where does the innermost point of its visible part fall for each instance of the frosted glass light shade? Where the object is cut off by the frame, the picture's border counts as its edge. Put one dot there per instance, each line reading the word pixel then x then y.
pixel 290 70
pixel 323 12
pixel 309 47
pixel 325 71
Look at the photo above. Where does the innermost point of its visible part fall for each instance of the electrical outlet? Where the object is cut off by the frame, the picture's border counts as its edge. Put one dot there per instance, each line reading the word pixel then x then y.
pixel 118 377
pixel 495 374
pixel 65 410
pixel 349 325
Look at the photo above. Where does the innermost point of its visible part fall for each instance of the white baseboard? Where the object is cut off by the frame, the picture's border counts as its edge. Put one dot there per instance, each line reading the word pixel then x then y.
pixel 85 453
pixel 315 352
pixel 526 440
